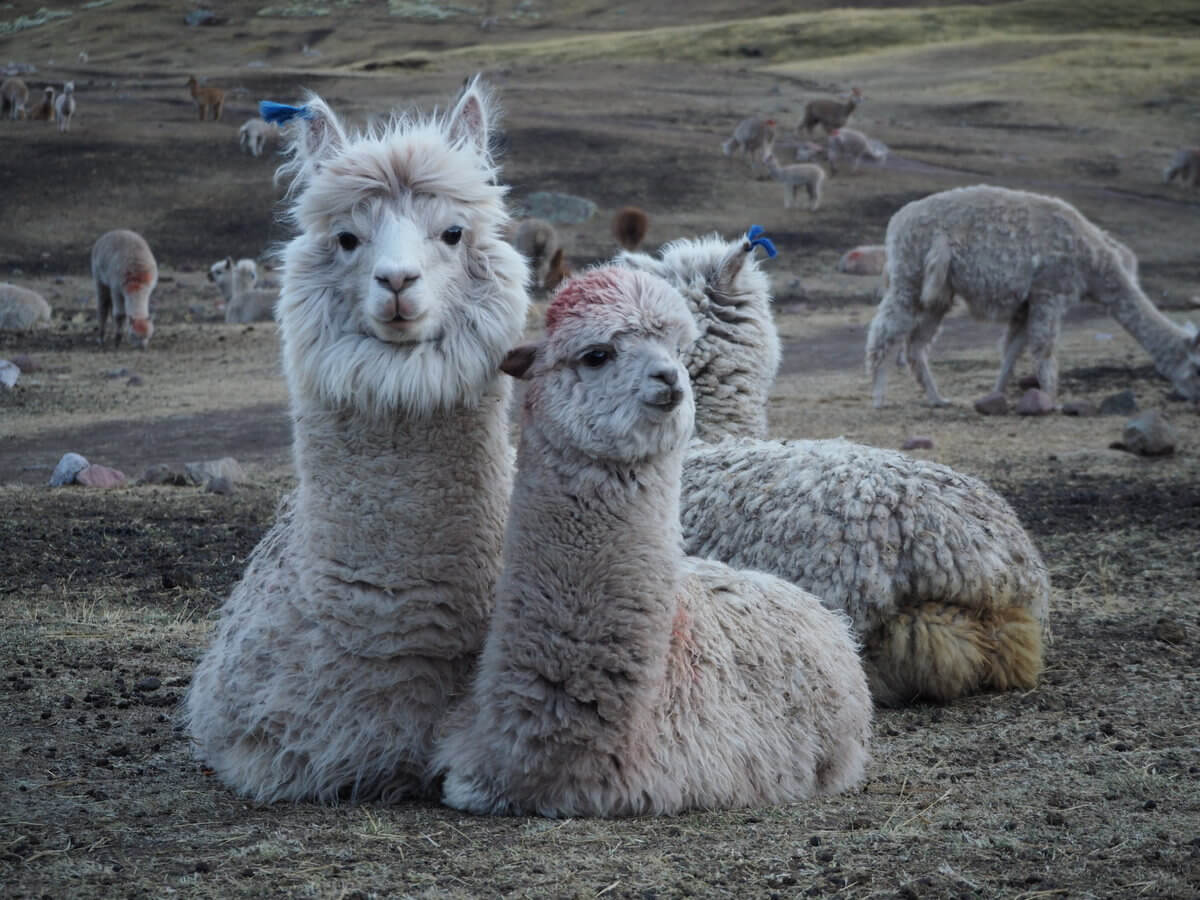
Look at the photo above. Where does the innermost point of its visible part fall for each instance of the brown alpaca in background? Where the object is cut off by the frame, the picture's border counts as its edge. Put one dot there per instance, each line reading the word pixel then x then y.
pixel 206 98
pixel 629 227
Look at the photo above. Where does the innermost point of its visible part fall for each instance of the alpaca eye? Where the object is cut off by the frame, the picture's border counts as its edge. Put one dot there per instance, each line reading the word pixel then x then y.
pixel 452 235
pixel 347 240
pixel 596 357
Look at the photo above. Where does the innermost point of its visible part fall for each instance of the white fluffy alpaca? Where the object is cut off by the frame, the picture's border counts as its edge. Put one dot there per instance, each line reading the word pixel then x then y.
pixel 244 302
pixel 619 676
pixel 736 354
pixel 362 611
pixel 22 309
pixel 1018 257
pixel 946 589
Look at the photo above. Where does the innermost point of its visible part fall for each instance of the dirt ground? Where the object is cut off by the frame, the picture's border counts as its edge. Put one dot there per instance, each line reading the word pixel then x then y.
pixel 1088 786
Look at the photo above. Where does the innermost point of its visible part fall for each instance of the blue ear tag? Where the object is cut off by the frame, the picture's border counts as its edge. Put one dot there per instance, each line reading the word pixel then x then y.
pixel 281 113
pixel 753 240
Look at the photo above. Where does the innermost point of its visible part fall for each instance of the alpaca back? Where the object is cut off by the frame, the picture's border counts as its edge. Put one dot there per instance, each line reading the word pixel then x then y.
pixel 22 309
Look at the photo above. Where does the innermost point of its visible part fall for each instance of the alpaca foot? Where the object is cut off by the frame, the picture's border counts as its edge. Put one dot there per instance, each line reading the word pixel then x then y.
pixel 939 651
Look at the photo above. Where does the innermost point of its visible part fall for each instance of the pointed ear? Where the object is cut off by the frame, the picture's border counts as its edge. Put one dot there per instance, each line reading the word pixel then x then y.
pixel 519 359
pixel 229 262
pixel 319 134
pixel 735 259
pixel 470 119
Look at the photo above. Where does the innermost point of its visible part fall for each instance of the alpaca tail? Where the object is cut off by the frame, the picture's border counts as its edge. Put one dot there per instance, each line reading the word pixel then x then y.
pixel 940 651
pixel 935 282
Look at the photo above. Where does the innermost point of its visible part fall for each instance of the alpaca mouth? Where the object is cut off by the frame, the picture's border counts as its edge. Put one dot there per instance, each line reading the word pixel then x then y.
pixel 666 398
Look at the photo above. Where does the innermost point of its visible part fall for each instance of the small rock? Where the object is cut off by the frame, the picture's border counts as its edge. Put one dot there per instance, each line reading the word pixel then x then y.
pixel 1055 818
pixel 148 684
pixel 135 380
pixel 1122 404
pixel 1079 408
pixel 993 404
pixel 25 363
pixel 1149 434
pixel 918 442
pixel 68 467
pixel 560 209
pixel 1028 381
pixel 1035 402
pixel 100 477
pixel 161 473
pixel 219 484
pixel 9 373
pixel 226 467
pixel 117 373
pixel 203 17
pixel 1170 631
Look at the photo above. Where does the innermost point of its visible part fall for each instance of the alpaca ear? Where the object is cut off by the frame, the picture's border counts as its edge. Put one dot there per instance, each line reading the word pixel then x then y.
pixel 735 259
pixel 469 118
pixel 319 133
pixel 229 262
pixel 519 359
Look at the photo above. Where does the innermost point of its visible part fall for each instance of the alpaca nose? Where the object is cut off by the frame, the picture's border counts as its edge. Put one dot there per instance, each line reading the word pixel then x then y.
pixel 397 281
pixel 667 394
pixel 668 376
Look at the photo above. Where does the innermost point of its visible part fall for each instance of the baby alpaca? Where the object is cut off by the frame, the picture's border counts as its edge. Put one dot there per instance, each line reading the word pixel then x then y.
pixel 254 134
pixel 619 676
pixel 754 137
pixel 629 226
pixel 125 274
pixel 830 114
pixel 14 94
pixel 64 107
pixel 809 176
pixel 847 143
pixel 44 111
pixel 1015 256
pixel 361 613
pixel 1186 166
pixel 22 309
pixel 243 301
pixel 206 98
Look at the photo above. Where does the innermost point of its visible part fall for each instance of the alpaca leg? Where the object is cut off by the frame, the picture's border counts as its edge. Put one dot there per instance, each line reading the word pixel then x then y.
pixel 218 109
pixel 941 651
pixel 814 195
pixel 103 307
pixel 118 317
pixel 1015 340
pixel 919 341
pixel 1045 321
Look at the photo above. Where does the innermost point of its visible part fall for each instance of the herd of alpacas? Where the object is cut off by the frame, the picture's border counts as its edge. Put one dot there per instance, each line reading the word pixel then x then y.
pixel 650 605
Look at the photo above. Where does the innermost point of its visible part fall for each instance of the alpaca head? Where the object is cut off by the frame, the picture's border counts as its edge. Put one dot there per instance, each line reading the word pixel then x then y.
pixel 726 291
pixel 607 381
pixel 400 296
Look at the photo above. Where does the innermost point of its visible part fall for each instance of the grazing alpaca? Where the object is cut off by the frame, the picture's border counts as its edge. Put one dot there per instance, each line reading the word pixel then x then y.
pixel 945 588
pixel 14 94
pixel 830 114
pixel 809 176
pixel 64 107
pixel 1015 256
pixel 621 677
pixel 125 274
pixel 1186 166
pixel 629 226
pixel 361 613
pixel 852 145
pixel 206 98
pixel 755 137
pixel 537 241
pixel 254 134
pixel 44 111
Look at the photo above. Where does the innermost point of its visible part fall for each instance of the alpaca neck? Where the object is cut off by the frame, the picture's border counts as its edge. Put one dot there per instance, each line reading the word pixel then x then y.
pixel 1160 337
pixel 402 511
pixel 592 565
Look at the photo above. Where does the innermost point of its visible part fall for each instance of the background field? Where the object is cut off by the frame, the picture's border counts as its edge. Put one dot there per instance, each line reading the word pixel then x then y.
pixel 1088 786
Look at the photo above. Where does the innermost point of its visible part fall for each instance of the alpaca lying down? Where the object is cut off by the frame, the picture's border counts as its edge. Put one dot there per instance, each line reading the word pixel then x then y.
pixel 620 677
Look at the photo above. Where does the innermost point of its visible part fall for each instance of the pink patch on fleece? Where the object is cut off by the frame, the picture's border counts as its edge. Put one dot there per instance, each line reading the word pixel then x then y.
pixel 596 287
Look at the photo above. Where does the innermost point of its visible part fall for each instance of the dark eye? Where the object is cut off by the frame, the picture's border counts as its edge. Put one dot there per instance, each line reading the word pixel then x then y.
pixel 347 240
pixel 452 235
pixel 596 357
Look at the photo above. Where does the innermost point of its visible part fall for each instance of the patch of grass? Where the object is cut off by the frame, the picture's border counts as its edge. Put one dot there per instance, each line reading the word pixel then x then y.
pixel 841 32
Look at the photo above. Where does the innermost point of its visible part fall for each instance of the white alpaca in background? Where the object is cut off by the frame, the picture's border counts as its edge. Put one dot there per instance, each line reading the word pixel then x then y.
pixel 946 589
pixel 1018 257
pixel 362 611
pixel 619 676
